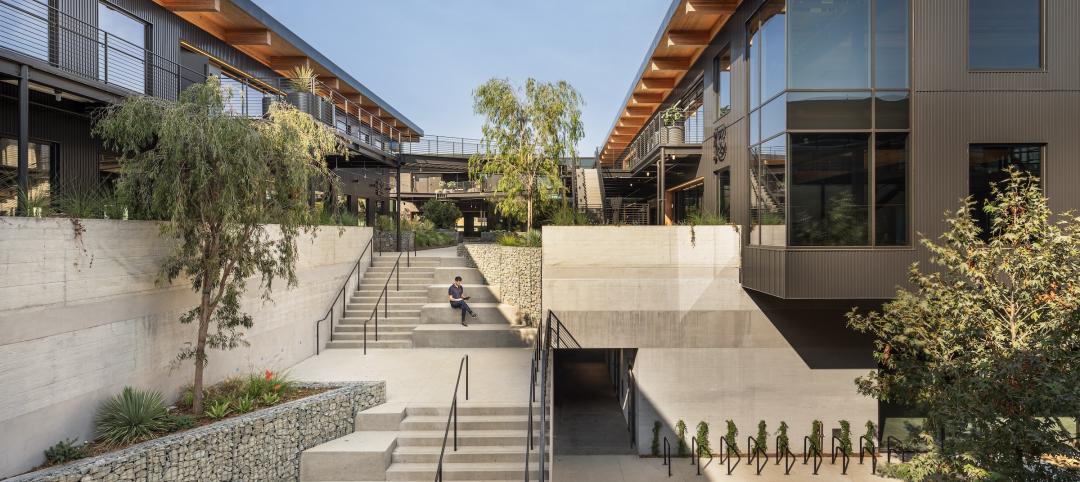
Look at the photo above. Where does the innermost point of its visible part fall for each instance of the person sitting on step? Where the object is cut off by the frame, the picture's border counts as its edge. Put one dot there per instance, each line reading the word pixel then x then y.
pixel 457 299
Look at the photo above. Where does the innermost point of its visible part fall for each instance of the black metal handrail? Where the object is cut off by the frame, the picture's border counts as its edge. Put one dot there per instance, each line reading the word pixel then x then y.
pixel 341 294
pixel 559 330
pixel 725 455
pixel 809 450
pixel 785 456
pixel 756 454
pixel 868 446
pixel 452 416
pixel 395 272
pixel 667 455
pixel 549 335
pixel 845 459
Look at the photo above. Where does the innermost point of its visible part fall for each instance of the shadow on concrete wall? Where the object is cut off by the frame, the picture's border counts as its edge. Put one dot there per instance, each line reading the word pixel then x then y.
pixel 818 331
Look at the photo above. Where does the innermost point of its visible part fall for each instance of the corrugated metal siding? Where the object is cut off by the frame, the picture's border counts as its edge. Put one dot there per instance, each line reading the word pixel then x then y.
pixel 764 270
pixel 846 274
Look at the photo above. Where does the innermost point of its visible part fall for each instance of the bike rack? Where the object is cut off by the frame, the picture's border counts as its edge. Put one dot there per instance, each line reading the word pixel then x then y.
pixel 726 453
pixel 845 460
pixel 785 456
pixel 867 446
pixel 756 454
pixel 667 456
pixel 809 451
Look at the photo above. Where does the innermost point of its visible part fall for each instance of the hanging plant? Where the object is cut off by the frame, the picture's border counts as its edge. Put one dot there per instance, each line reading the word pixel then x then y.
pixel 871 436
pixel 762 438
pixel 815 436
pixel 845 437
pixel 783 444
pixel 703 446
pixel 680 432
pixel 732 438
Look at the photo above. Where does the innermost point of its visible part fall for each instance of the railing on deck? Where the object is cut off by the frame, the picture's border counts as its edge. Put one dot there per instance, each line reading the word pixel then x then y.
pixel 342 294
pixel 443 146
pixel 655 134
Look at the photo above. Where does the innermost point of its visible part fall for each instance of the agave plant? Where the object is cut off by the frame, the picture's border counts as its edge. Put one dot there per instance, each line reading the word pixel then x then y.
pixel 303 79
pixel 132 416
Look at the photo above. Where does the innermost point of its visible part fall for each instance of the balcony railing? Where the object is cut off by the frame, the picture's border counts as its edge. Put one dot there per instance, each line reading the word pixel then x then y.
pixel 443 146
pixel 655 134
pixel 39 31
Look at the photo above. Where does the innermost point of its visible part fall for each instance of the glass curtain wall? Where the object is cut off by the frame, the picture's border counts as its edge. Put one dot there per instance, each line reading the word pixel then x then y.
pixel 121 48
pixel 838 173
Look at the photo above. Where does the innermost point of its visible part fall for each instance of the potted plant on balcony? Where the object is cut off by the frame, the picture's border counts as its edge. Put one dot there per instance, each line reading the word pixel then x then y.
pixel 673 131
pixel 305 94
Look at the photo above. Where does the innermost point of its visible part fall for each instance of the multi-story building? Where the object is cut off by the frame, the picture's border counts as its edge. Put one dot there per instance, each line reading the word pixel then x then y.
pixel 60 60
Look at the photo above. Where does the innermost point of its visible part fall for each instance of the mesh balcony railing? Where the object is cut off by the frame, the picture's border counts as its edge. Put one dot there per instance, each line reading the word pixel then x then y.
pixel 39 31
pixel 655 134
pixel 443 146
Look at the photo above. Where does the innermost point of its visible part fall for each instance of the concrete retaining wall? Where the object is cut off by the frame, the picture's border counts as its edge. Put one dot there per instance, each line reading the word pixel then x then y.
pixel 260 446
pixel 706 349
pixel 513 272
pixel 81 316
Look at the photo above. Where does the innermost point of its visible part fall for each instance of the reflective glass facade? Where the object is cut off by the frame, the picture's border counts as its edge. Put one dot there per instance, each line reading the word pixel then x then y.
pixel 988 165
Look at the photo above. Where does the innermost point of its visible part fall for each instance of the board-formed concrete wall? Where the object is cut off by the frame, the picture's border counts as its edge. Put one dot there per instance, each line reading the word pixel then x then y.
pixel 513 273
pixel 81 316
pixel 262 446
pixel 706 348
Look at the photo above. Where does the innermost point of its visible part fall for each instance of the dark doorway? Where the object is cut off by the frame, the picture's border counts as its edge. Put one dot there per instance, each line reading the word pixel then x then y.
pixel 593 402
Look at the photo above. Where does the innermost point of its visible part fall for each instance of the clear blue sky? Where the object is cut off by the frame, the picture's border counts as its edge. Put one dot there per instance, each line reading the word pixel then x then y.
pixel 425 57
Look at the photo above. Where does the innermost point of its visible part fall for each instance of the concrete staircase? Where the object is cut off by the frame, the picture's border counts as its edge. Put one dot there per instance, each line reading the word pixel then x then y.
pixel 403 308
pixel 395 443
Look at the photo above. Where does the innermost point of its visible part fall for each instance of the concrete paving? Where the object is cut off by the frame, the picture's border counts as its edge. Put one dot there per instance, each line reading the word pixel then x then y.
pixel 632 468
pixel 426 375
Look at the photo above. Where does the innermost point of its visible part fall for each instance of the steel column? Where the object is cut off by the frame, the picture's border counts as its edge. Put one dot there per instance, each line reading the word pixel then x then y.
pixel 397 215
pixel 24 141
pixel 660 207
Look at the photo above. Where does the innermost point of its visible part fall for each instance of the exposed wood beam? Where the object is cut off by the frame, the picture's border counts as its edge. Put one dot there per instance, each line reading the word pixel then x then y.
pixel 670 63
pixel 191 5
pixel 354 98
pixel 288 63
pixel 248 37
pixel 659 83
pixel 631 122
pixel 688 38
pixel 640 99
pixel 712 7
pixel 331 82
pixel 639 110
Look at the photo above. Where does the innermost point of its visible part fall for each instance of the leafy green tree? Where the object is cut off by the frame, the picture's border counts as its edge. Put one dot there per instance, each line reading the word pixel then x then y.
pixel 216 179
pixel 442 214
pixel 525 134
pixel 988 342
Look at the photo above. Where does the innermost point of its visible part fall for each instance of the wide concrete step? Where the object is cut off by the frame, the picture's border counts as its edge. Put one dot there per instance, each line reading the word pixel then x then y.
pixel 357 456
pixel 410 263
pixel 360 320
pixel 466 409
pixel 355 311
pixel 383 335
pixel 461 471
pixel 465 437
pixel 404 286
pixel 394 298
pixel 499 454
pixel 403 268
pixel 469 276
pixel 477 293
pixel 476 335
pixel 370 344
pixel 470 422
pixel 373 294
pixel 500 313
pixel 392 303
pixel 383 327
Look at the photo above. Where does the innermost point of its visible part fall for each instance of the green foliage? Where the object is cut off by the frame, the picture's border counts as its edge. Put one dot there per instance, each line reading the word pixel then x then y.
pixel 816 436
pixel 986 342
pixel 697 217
pixel 655 446
pixel 566 215
pixel 680 435
pixel 935 466
pixel 65 451
pixel 270 398
pixel 783 443
pixel 179 421
pixel 704 448
pixel 443 214
pixel 269 382
pixel 762 438
pixel 845 437
pixel 384 222
pixel 302 79
pixel 99 201
pixel 244 404
pixel 525 134
pixel 871 436
pixel 218 409
pixel 844 224
pixel 216 179
pixel 672 115
pixel 132 416
pixel 532 239
pixel 732 438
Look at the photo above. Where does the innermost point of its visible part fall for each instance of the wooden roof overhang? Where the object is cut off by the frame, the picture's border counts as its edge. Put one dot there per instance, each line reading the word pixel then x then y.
pixel 687 30
pixel 249 29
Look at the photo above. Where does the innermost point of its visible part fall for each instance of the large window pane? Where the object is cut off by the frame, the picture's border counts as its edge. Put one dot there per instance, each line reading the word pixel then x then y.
pixel 988 166
pixel 755 127
pixel 773 57
pixel 829 195
pixel 829 110
pixel 723 194
pixel 26 27
pixel 891 44
pixel 892 110
pixel 830 44
pixel 891 189
pixel 1005 34
pixel 722 83
pixel 773 117
pixel 40 179
pixel 121 51
pixel 753 66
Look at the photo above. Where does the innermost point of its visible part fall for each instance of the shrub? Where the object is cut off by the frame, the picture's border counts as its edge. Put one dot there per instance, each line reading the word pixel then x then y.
pixel 815 436
pixel 532 238
pixel 680 435
pixel 268 382
pixel 443 214
pixel 244 404
pixel 699 218
pixel 384 222
pixel 762 438
pixel 783 444
pixel 703 438
pixel 732 438
pixel 65 451
pixel 271 398
pixel 218 409
pixel 566 215
pixel 132 416
pixel 655 447
pixel 845 437
pixel 94 202
pixel 871 436
pixel 180 421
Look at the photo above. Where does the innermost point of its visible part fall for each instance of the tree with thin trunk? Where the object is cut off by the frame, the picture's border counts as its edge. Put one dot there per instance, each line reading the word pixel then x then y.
pixel 987 342
pixel 217 180
pixel 526 133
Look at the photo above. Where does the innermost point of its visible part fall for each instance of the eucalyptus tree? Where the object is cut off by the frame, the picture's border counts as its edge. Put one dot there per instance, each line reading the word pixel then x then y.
pixel 216 181
pixel 988 341
pixel 525 134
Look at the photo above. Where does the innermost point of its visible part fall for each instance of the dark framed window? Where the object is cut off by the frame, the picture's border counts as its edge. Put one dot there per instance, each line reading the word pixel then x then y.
pixel 891 190
pixel 830 44
pixel 891 58
pixel 122 47
pixel 1005 34
pixel 830 190
pixel 723 193
pixel 41 169
pixel 722 82
pixel 988 166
